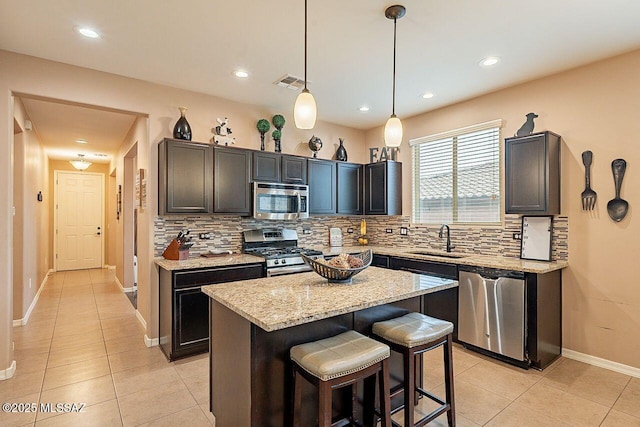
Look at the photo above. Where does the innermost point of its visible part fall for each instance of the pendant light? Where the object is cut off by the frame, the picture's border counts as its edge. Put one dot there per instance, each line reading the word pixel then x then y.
pixel 393 128
pixel 80 163
pixel 304 111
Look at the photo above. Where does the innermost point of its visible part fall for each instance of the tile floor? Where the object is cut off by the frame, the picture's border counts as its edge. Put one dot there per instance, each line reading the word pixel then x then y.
pixel 84 344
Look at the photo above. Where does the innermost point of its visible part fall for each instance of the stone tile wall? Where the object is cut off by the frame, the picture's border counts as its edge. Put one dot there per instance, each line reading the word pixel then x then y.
pixel 478 239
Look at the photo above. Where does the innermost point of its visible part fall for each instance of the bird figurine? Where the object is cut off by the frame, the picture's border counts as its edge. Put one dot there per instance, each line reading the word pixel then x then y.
pixel 527 127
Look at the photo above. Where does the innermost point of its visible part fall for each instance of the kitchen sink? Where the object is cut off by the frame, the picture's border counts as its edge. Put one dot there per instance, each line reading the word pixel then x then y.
pixel 439 254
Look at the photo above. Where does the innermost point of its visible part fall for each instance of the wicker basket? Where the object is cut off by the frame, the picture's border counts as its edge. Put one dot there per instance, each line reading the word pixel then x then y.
pixel 339 275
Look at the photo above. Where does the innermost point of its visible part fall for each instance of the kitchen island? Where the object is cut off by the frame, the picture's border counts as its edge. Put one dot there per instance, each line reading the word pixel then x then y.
pixel 254 323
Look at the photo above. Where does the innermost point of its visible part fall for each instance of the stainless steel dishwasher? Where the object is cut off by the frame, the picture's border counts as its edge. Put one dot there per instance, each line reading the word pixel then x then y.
pixel 492 310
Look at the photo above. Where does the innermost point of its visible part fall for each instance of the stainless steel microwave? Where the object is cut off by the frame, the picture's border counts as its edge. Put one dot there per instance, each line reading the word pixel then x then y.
pixel 272 200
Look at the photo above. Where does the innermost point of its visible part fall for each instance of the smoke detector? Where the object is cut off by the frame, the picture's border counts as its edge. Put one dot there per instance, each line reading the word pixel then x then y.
pixel 290 82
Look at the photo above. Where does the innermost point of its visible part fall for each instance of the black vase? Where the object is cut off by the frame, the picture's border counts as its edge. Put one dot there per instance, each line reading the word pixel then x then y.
pixel 182 130
pixel 341 152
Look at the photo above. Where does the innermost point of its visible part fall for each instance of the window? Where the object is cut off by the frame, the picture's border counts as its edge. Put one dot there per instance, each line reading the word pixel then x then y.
pixel 456 176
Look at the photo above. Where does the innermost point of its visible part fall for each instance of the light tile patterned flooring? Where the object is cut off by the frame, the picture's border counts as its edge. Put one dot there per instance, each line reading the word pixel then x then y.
pixel 84 344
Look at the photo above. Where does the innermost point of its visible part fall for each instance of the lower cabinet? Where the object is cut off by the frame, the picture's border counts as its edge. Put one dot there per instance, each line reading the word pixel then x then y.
pixel 184 309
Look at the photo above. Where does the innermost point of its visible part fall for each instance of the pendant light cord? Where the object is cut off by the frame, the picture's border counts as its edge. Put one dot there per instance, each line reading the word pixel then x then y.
pixel 305 45
pixel 393 108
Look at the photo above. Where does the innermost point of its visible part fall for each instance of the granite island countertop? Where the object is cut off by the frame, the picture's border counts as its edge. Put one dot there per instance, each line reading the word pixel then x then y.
pixel 275 303
pixel 505 263
pixel 203 262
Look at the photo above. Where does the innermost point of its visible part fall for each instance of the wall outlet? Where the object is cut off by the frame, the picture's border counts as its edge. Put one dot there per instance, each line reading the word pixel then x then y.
pixel 517 236
pixel 389 230
pixel 29 282
pixel 205 236
pixel 306 231
pixel 350 230
pixel 404 231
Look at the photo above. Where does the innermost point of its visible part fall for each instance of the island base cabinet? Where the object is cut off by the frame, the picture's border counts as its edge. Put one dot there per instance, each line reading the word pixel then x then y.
pixel 250 369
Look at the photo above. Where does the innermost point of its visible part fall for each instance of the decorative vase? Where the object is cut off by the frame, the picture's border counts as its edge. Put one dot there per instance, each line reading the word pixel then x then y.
pixel 262 142
pixel 341 152
pixel 278 148
pixel 182 130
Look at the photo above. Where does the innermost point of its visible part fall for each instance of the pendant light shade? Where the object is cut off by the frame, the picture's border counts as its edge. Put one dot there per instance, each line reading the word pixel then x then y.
pixel 393 132
pixel 393 128
pixel 304 110
pixel 80 163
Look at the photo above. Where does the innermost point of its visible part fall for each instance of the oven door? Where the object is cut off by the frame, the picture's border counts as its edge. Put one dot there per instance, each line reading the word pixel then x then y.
pixel 279 201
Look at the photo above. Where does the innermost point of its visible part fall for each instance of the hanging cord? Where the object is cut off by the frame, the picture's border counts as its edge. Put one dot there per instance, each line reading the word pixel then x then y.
pixel 393 109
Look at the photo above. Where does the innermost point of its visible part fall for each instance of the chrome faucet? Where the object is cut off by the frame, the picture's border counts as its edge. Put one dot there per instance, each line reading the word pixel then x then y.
pixel 449 247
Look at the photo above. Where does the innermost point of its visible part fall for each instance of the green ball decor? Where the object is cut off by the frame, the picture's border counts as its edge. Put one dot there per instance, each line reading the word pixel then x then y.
pixel 278 121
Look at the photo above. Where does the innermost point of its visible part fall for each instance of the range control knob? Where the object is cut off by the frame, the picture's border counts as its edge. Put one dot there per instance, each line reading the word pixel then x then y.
pixel 283 261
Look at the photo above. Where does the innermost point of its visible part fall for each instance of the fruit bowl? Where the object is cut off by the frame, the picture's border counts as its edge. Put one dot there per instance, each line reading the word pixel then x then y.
pixel 339 275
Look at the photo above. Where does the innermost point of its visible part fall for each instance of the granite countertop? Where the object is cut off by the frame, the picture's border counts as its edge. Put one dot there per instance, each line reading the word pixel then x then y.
pixel 505 263
pixel 281 302
pixel 202 262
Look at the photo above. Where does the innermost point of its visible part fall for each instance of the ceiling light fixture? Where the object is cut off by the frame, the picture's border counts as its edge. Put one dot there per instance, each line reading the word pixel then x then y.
pixel 488 62
pixel 82 141
pixel 364 108
pixel 305 110
pixel 427 95
pixel 393 128
pixel 88 32
pixel 241 74
pixel 80 163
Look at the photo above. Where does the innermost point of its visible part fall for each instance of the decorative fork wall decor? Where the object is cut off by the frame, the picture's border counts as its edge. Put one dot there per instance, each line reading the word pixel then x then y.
pixel 588 195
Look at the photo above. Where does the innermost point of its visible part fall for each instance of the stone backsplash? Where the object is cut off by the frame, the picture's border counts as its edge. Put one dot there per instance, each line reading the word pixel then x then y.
pixel 226 232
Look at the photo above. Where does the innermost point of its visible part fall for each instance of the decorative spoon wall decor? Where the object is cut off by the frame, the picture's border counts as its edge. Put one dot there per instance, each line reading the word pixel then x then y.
pixel 617 207
pixel 588 195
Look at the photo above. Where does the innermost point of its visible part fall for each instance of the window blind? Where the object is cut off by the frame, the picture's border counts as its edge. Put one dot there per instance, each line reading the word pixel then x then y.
pixel 456 176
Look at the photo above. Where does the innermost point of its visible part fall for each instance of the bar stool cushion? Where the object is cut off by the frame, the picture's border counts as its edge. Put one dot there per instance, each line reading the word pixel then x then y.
pixel 412 329
pixel 340 355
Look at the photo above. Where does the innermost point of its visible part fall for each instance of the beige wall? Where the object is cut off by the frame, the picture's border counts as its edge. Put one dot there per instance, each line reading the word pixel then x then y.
pixel 592 108
pixel 31 222
pixel 29 75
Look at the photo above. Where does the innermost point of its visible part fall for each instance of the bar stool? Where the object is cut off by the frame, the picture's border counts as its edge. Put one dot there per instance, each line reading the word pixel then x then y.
pixel 411 335
pixel 337 362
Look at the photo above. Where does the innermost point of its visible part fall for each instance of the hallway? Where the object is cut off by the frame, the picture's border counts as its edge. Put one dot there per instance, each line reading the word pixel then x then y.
pixel 84 345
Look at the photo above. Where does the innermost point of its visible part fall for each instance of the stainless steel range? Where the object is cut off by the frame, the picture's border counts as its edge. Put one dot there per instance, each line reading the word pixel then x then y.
pixel 279 247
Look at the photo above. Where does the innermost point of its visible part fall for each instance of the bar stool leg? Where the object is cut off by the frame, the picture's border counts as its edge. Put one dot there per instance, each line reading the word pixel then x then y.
pixel 409 381
pixel 324 404
pixel 448 369
pixel 297 397
pixel 385 400
pixel 369 392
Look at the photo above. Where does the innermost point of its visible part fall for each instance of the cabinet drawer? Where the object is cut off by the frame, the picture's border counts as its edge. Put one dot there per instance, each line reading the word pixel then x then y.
pixel 449 271
pixel 217 275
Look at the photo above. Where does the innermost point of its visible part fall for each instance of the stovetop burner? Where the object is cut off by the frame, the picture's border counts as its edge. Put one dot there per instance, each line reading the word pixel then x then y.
pixel 292 251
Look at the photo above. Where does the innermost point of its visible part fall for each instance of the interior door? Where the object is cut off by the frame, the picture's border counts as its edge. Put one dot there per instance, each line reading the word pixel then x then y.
pixel 79 211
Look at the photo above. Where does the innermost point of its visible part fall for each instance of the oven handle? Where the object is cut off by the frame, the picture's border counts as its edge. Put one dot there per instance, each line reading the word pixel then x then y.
pixel 292 270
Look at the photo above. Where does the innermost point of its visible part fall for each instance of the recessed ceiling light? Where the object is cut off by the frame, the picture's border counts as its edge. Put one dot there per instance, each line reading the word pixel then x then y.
pixel 488 62
pixel 427 95
pixel 364 108
pixel 241 74
pixel 88 32
pixel 81 141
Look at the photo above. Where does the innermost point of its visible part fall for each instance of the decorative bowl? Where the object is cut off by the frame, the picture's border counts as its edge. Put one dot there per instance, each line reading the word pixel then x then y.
pixel 339 275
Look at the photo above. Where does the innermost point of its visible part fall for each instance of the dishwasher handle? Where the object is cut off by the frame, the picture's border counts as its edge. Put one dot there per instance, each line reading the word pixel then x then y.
pixel 491 273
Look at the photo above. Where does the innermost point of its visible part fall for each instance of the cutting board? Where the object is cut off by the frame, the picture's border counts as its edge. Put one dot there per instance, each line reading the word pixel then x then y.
pixel 536 238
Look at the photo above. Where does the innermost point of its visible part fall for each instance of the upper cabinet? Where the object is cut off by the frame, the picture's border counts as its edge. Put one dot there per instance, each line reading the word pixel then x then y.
pixel 184 172
pixel 350 188
pixel 383 188
pixel 231 181
pixel 322 186
pixel 275 167
pixel 532 174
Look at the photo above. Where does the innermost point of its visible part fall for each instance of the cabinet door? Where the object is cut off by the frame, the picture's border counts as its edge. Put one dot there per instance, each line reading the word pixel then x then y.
pixel 383 188
pixel 532 177
pixel 380 261
pixel 294 170
pixel 350 181
pixel 191 320
pixel 185 177
pixel 322 186
pixel 232 181
pixel 266 167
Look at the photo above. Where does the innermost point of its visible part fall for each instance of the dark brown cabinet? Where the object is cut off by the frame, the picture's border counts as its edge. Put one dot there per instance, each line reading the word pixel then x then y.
pixel 184 309
pixel 322 186
pixel 532 174
pixel 294 170
pixel 266 166
pixel 184 171
pixel 231 181
pixel 349 188
pixel 383 188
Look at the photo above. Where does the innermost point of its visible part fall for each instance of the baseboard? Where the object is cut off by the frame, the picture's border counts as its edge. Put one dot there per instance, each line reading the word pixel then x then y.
pixel 141 320
pixel 602 363
pixel 110 267
pixel 128 289
pixel 25 319
pixel 5 374
pixel 151 342
pixel 118 283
